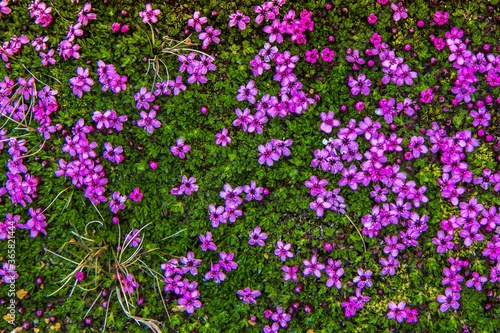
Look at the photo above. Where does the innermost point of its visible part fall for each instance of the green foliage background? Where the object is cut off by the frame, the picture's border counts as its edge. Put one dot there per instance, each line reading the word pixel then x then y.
pixel 284 214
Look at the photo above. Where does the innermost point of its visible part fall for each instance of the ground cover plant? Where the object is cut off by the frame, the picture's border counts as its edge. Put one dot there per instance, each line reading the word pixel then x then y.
pixel 216 166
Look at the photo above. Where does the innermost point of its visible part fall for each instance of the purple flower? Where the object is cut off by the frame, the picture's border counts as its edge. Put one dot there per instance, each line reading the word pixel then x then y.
pixel 327 55
pixel 8 273
pixel 443 242
pixel 426 96
pixel 328 122
pixel 319 205
pixel 441 18
pixel 143 98
pixel 149 14
pixel 397 311
pixel 222 138
pixel 226 261
pixel 389 265
pixel 128 283
pixel 334 271
pixel 416 145
pixel 253 192
pixel 259 66
pixel 117 202
pixel 180 149
pixel 316 185
pixel 133 238
pixel 275 32
pixel 247 92
pixel 239 19
pixel 363 279
pixel 207 242
pixel 188 185
pixel 81 82
pixel 313 267
pixel 196 21
pixel 361 85
pixel 290 273
pixel 283 250
pixel 312 56
pixel 79 276
pixel 354 56
pixel 257 237
pixel 4 9
pixel 399 11
pixel 190 264
pixel 210 35
pixel 217 215
pixel 281 316
pixel 267 154
pixel 36 223
pixel 449 299
pixel 136 195
pixel 215 273
pixel 113 155
pixel 248 295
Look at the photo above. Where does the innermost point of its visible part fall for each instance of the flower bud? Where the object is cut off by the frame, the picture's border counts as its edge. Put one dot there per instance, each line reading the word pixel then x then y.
pixel 203 110
pixel 125 28
pixel 115 27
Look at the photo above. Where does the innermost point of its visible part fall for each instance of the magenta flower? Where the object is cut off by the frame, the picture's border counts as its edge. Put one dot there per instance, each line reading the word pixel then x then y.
pixel 226 261
pixel 399 11
pixel 361 85
pixel 259 66
pixel 275 32
pixel 267 154
pixel 133 238
pixel 239 19
pixel 283 250
pixel 148 121
pixel 328 122
pixel 149 14
pixel 290 273
pixel 209 36
pixel 81 82
pixel 372 18
pixel 248 295
pixel 113 155
pixel 4 9
pixel 217 215
pixel 136 195
pixel 476 281
pixel 36 223
pixel 363 279
pixel 397 311
pixel 443 242
pixel 143 98
pixel 8 273
pixel 257 237
pixel 312 56
pixel 207 242
pixel 253 192
pixel 79 276
pixel 327 55
pixel 390 265
pixel 247 92
pixel 426 96
pixel 449 299
pixel 190 264
pixel 196 21
pixel 441 18
pixel 222 138
pixel 313 267
pixel 180 149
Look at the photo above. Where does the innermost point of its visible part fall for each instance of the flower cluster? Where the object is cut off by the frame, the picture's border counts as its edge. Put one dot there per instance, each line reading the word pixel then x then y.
pixel 40 12
pixel 109 78
pixel 272 151
pixel 187 186
pixel 109 120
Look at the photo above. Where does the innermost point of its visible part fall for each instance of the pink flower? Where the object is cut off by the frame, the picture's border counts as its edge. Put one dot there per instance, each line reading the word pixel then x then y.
pixel 222 138
pixel 372 18
pixel 327 55
pixel 239 19
pixel 81 82
pixel 149 15
pixel 210 35
pixel 196 21
pixel 136 195
pixel 79 276
pixel 148 121
pixel 426 96
pixel 441 18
